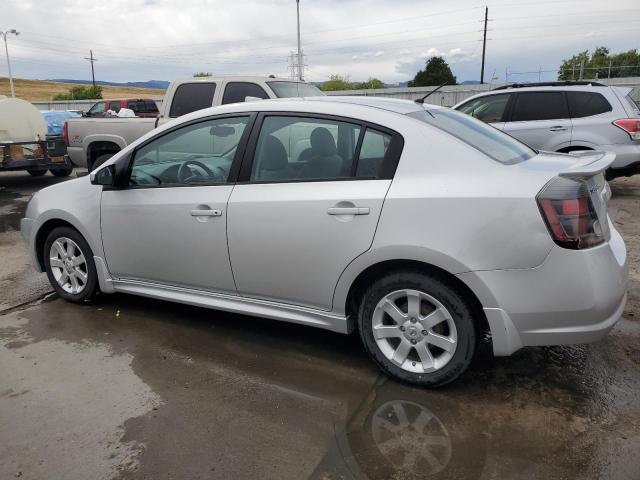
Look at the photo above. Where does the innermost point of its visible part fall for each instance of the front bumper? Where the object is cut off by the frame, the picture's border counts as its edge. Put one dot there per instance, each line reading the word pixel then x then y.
pixel 575 296
pixel 26 228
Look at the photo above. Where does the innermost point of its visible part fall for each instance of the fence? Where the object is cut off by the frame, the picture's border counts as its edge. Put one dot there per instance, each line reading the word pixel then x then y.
pixel 446 96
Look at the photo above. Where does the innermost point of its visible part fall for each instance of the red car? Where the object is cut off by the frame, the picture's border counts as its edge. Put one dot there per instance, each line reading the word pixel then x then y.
pixel 142 107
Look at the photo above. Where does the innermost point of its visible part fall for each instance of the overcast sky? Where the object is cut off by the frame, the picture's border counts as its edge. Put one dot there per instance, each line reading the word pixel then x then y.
pixel 137 40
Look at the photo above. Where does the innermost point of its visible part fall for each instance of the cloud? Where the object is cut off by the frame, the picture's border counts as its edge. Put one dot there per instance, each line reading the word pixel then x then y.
pixel 379 53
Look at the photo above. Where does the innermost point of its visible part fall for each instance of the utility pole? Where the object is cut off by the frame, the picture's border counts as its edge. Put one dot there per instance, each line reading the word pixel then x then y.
pixel 581 74
pixel 299 49
pixel 91 59
pixel 484 43
pixel 609 74
pixel 6 49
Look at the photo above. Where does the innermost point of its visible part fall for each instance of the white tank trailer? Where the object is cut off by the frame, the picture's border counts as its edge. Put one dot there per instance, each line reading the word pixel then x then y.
pixel 24 143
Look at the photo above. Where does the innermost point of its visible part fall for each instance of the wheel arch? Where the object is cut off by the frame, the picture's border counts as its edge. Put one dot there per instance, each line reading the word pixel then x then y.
pixel 41 236
pixel 378 269
pixel 573 148
pixel 100 145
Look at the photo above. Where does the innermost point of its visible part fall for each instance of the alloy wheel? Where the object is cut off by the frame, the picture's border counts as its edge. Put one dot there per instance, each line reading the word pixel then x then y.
pixel 68 265
pixel 414 331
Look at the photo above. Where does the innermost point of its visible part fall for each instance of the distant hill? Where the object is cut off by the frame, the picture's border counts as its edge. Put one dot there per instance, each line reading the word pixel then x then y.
pixel 163 84
pixel 38 90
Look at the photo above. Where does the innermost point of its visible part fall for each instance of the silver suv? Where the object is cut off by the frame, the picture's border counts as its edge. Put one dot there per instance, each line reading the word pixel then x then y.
pixel 565 117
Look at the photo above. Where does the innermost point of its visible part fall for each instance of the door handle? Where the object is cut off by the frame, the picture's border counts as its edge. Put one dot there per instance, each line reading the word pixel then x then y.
pixel 206 213
pixel 348 211
pixel 558 128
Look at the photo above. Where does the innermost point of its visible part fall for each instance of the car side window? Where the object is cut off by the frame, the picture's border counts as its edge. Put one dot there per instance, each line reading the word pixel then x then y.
pixel 585 104
pixel 236 92
pixel 190 97
pixel 539 106
pixel 115 106
pixel 304 148
pixel 373 151
pixel 200 153
pixel 489 109
pixel 150 106
pixel 97 109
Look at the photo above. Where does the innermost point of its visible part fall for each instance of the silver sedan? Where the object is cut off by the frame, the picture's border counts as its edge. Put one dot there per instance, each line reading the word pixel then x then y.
pixel 419 227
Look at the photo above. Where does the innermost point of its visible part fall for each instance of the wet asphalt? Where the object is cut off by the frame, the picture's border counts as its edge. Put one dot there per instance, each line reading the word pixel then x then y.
pixel 133 388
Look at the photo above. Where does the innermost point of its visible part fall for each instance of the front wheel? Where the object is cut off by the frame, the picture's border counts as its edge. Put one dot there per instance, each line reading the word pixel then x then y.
pixel 69 264
pixel 418 328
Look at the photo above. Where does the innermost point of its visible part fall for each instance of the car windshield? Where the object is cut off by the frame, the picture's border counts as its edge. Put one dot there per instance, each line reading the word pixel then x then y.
pixel 489 140
pixel 294 89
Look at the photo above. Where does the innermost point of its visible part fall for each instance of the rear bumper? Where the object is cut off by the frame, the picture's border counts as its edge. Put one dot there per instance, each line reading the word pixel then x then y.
pixel 575 296
pixel 627 154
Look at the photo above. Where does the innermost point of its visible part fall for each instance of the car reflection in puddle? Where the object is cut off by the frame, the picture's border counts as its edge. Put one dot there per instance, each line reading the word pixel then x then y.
pixel 411 437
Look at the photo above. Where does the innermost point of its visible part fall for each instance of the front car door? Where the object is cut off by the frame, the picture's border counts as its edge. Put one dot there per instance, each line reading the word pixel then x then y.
pixel 307 203
pixel 540 120
pixel 169 225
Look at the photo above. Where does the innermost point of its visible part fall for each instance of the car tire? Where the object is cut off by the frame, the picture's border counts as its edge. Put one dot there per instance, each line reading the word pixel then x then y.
pixel 100 160
pixel 61 172
pixel 69 264
pixel 429 351
pixel 37 173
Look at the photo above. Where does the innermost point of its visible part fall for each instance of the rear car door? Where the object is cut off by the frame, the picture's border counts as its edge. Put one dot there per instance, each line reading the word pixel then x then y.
pixel 591 124
pixel 307 203
pixel 540 120
pixel 168 226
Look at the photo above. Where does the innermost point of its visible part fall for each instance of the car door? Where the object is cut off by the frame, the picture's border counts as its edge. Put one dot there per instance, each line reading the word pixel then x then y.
pixel 307 204
pixel 169 225
pixel 540 120
pixel 490 109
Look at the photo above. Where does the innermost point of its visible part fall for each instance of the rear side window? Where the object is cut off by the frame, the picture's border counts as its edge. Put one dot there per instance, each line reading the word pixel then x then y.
pixel 372 153
pixel 489 140
pixel 585 104
pixel 489 109
pixel 115 106
pixel 190 97
pixel 236 92
pixel 539 106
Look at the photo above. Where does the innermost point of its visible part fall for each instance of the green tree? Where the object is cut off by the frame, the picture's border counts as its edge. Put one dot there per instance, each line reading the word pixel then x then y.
pixel 596 64
pixel 371 83
pixel 81 93
pixel 436 72
pixel 203 74
pixel 336 82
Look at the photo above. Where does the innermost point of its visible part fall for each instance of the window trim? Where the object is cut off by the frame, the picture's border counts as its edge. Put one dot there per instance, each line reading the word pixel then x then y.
pixel 235 164
pixel 226 86
pixel 390 162
pixel 516 95
pixel 173 96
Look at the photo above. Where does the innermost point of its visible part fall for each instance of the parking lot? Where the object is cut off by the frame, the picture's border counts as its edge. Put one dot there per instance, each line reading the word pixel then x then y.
pixel 129 387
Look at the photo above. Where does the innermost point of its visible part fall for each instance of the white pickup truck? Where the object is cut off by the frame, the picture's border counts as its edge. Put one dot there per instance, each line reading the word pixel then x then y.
pixel 91 141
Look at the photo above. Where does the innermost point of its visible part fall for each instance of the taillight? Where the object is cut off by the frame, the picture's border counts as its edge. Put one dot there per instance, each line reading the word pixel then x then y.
pixel 568 211
pixel 65 133
pixel 629 125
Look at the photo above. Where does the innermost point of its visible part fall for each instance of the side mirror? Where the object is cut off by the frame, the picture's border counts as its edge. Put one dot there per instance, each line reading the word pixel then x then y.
pixel 104 176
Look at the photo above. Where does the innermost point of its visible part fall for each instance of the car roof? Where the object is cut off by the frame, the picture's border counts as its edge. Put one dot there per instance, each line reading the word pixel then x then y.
pixel 383 103
pixel 234 78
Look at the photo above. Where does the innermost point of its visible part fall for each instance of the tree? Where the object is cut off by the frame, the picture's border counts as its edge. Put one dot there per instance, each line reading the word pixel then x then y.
pixel 336 82
pixel 81 93
pixel 596 64
pixel 371 83
pixel 436 72
pixel 203 74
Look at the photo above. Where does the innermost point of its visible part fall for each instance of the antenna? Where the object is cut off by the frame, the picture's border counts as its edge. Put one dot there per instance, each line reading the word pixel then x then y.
pixel 421 100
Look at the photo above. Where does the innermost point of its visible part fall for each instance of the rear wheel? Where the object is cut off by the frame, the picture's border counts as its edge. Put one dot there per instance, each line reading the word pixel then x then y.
pixel 418 328
pixel 61 172
pixel 37 173
pixel 69 265
pixel 100 160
